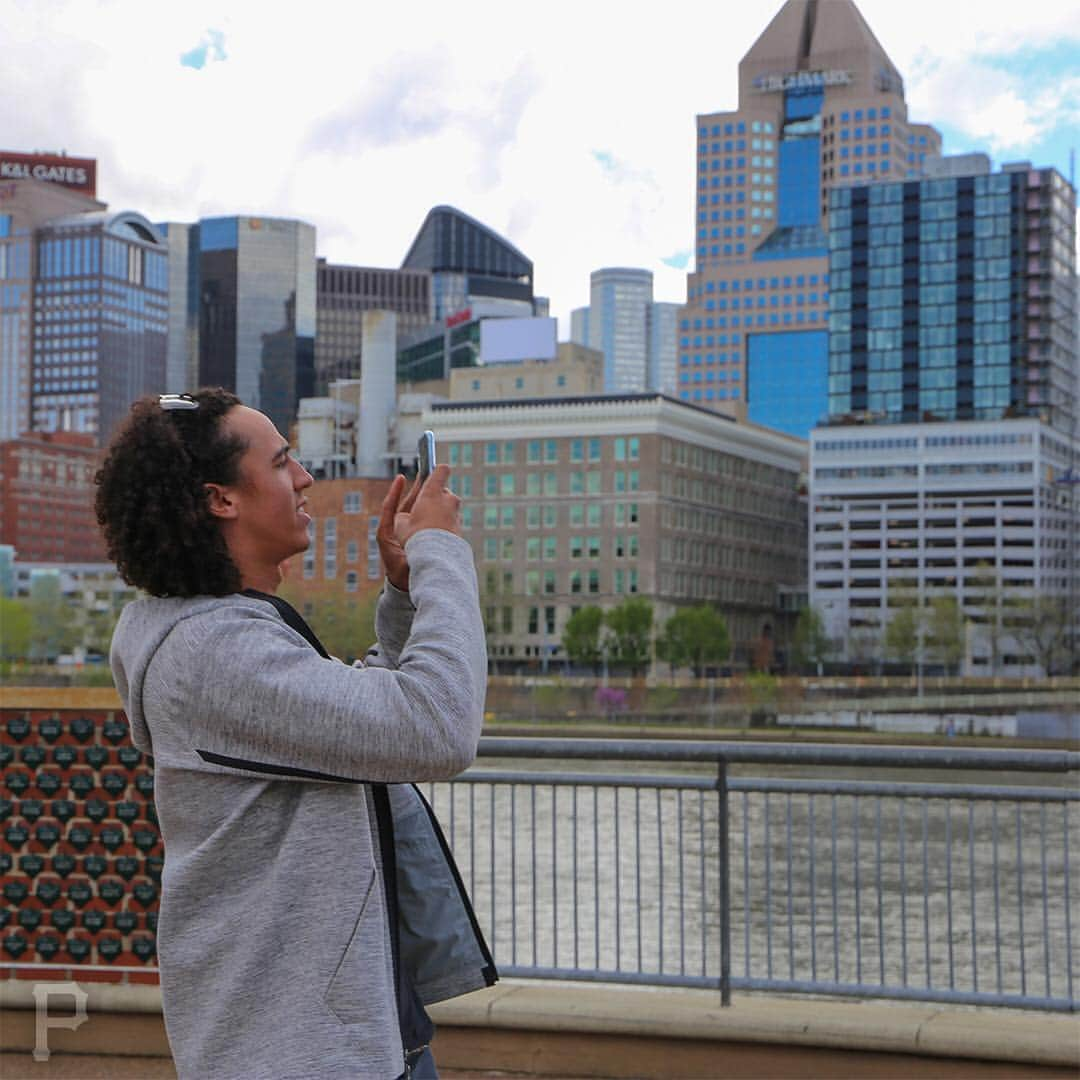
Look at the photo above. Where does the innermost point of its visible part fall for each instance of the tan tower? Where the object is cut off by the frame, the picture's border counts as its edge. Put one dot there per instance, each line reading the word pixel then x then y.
pixel 820 104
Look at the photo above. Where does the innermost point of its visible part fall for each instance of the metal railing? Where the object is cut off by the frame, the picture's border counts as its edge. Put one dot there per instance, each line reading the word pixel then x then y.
pixel 696 874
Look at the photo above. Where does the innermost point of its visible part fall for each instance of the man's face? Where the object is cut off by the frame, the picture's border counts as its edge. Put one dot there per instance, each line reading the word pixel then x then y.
pixel 270 523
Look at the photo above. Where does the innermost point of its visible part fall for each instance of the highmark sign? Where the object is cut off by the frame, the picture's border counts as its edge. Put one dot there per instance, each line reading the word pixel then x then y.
pixel 801 80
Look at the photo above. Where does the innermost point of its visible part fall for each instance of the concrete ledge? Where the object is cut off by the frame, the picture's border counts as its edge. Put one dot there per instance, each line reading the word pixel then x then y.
pixel 881 1027
pixel 570 1029
pixel 101 997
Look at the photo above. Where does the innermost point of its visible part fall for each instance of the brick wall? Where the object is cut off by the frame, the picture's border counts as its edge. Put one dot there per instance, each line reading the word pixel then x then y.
pixel 81 857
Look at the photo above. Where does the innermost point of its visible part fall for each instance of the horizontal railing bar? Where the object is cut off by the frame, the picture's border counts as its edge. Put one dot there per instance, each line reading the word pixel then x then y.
pixel 610 780
pixel 974 792
pixel 643 978
pixel 682 750
pixel 906 993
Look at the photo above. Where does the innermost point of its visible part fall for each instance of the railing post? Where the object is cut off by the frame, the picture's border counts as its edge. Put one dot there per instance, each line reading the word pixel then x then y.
pixel 725 884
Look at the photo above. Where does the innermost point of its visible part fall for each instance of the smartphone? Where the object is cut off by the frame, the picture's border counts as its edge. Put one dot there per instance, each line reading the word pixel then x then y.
pixel 425 452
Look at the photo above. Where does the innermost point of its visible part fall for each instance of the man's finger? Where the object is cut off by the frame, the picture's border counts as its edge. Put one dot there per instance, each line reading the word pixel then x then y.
pixel 410 498
pixel 390 504
pixel 440 476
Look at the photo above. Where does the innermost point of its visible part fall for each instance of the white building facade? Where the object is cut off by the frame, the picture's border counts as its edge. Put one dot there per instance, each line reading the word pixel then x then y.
pixel 967 509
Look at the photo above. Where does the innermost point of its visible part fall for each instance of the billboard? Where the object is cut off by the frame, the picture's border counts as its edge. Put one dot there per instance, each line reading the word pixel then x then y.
pixel 78 174
pixel 508 340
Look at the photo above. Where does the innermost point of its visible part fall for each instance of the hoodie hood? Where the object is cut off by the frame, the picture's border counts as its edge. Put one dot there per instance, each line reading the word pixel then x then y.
pixel 142 627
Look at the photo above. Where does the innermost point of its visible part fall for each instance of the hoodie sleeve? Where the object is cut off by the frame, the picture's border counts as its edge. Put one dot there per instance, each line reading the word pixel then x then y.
pixel 393 621
pixel 258 699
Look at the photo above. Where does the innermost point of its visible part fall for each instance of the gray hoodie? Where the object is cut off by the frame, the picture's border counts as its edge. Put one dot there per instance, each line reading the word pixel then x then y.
pixel 272 937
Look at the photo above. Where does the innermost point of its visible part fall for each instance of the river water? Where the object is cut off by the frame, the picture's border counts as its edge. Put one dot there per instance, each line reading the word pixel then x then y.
pixel 878 890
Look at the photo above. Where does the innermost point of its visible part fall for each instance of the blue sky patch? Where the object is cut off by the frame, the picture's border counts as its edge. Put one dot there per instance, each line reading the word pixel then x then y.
pixel 679 261
pixel 211 48
pixel 606 160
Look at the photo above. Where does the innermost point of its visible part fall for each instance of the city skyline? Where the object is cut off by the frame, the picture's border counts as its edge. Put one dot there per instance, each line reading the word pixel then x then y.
pixel 282 124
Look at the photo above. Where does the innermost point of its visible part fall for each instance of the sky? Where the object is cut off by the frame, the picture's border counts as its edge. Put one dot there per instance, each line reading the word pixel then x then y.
pixel 568 128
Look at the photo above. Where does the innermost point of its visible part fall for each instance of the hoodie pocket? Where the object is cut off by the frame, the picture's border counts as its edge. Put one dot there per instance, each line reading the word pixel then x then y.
pixel 361 972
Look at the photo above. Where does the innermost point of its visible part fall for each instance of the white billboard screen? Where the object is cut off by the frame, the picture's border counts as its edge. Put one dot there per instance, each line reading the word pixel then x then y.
pixel 507 340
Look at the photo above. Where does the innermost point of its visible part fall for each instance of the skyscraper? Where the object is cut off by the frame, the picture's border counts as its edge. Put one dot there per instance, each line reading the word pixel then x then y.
pixel 344 293
pixel 83 295
pixel 820 105
pixel 635 334
pixel 947 470
pixel 470 262
pixel 250 282
pixel 25 205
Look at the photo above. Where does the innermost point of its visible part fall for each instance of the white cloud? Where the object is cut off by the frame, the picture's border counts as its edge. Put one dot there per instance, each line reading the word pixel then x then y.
pixel 359 118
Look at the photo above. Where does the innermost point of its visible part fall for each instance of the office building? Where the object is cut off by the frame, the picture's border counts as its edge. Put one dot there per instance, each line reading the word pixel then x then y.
pixel 343 294
pixel 100 320
pixel 981 511
pixel 252 282
pixel 487 332
pixel 952 447
pixel 820 105
pixel 575 501
pixel 954 298
pixel 663 347
pixel 470 263
pixel 182 352
pixel 25 205
pixel 47 497
pixel 635 334
pixel 575 372
pixel 83 295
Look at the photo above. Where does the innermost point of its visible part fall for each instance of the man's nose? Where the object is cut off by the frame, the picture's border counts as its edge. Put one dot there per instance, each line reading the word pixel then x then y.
pixel 303 478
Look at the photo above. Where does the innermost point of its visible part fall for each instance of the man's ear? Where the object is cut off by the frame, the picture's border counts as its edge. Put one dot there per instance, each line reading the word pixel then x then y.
pixel 220 501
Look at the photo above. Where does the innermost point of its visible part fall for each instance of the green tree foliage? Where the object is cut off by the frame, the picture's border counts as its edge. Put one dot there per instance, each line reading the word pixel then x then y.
pixel 904 632
pixel 344 622
pixel 630 634
pixel 98 629
pixel 53 624
pixel 995 602
pixel 1042 625
pixel 946 631
pixel 15 629
pixel 581 637
pixel 812 646
pixel 694 637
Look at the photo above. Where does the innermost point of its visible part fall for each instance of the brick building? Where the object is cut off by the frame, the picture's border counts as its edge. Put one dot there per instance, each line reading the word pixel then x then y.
pixel 344 554
pixel 47 497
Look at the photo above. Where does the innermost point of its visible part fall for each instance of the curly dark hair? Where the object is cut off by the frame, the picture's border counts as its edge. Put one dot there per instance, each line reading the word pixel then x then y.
pixel 151 501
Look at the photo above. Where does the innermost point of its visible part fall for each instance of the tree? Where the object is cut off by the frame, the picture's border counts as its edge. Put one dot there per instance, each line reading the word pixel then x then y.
pixel 53 625
pixel 343 622
pixel 581 637
pixel 812 645
pixel 15 629
pixel 946 631
pixel 993 601
pixel 630 638
pixel 903 635
pixel 694 637
pixel 99 627
pixel 1042 626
